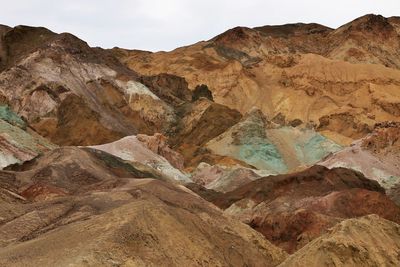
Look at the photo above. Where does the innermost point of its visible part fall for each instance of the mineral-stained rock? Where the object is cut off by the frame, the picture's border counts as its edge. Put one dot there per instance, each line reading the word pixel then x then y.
pixel 9 116
pixel 224 178
pixel 301 71
pixel 195 155
pixel 18 145
pixel 243 115
pixel 204 120
pixel 377 156
pixel 158 144
pixel 130 148
pixel 80 206
pixel 54 79
pixel 276 149
pixel 293 209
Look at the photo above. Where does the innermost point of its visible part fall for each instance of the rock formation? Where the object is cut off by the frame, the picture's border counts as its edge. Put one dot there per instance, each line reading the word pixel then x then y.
pixel 18 144
pixel 377 156
pixel 293 209
pixel 85 207
pixel 277 149
pixel 131 149
pixel 346 78
pixel 236 151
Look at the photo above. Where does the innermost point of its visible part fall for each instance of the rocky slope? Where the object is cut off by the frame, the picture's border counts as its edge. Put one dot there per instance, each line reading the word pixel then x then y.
pixel 346 78
pixel 291 210
pixel 224 178
pixel 367 241
pixel 131 149
pixel 85 207
pixel 377 156
pixel 205 155
pixel 278 149
pixel 18 143
pixel 50 80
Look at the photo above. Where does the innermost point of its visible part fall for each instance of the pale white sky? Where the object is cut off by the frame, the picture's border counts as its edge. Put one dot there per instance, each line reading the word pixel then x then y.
pixel 166 24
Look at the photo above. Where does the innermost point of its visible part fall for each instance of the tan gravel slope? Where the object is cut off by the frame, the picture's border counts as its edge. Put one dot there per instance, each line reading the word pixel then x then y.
pixel 366 241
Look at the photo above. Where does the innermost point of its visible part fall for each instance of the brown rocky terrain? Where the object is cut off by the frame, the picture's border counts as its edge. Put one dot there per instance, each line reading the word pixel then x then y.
pixel 58 76
pixel 90 208
pixel 345 77
pixel 236 151
pixel 366 241
pixel 291 210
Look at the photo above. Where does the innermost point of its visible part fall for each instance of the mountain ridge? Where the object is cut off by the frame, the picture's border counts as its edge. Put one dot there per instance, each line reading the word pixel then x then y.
pixel 240 150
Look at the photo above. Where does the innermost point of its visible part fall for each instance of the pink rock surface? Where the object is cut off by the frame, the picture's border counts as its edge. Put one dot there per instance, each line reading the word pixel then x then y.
pixel 158 144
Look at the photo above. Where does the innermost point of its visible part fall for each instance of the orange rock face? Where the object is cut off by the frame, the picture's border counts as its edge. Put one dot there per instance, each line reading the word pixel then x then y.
pixel 344 77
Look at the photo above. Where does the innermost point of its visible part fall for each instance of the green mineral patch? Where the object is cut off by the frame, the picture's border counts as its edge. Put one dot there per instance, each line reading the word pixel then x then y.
pixel 276 149
pixel 22 139
pixel 315 149
pixel 9 116
pixel 263 155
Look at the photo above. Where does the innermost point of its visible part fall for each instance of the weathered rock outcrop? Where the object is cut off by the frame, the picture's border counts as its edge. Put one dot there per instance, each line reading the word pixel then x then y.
pixel 293 209
pixel 17 142
pixel 158 144
pixel 74 94
pixel 131 149
pixel 377 156
pixel 131 158
pixel 305 72
pixel 277 149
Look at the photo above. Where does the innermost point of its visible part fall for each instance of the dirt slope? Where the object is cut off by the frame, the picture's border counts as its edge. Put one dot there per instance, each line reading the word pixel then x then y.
pixel 74 207
pixel 365 241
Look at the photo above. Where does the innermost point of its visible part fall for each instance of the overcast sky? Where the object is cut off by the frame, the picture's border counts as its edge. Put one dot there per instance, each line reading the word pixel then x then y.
pixel 166 24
